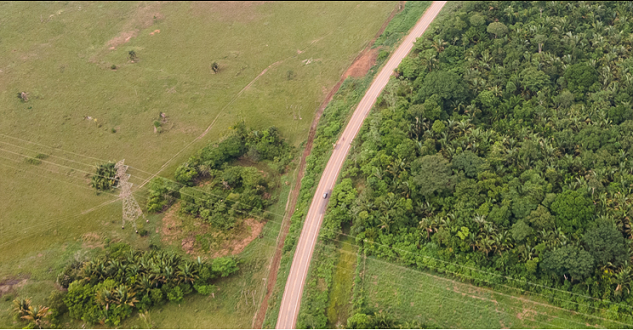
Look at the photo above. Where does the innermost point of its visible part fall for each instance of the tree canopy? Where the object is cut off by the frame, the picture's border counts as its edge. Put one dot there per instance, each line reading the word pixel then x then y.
pixel 518 149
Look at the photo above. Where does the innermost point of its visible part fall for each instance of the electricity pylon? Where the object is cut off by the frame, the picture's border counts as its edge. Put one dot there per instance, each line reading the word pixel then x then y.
pixel 131 209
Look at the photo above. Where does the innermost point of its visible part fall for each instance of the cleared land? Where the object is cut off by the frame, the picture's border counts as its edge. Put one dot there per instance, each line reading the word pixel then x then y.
pixel 90 102
pixel 407 294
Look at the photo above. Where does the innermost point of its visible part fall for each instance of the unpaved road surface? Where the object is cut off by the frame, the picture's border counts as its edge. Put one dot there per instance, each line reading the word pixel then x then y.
pixel 293 292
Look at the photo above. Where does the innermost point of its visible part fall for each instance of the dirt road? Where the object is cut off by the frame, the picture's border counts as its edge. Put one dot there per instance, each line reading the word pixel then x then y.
pixel 293 292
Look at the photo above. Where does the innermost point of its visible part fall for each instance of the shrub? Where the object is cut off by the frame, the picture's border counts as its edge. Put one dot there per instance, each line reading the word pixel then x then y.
pixel 104 177
pixel 205 290
pixel 175 294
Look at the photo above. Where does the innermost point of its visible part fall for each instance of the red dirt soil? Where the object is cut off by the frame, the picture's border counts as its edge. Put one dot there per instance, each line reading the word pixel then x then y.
pixel 362 64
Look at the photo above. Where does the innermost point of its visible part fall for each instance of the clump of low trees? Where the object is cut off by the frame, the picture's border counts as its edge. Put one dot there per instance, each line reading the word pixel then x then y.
pixel 113 285
pixel 230 192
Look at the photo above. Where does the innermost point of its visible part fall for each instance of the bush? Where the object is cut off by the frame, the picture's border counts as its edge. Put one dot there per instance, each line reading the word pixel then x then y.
pixel 205 290
pixel 175 294
pixel 104 177
pixel 224 266
pixel 162 193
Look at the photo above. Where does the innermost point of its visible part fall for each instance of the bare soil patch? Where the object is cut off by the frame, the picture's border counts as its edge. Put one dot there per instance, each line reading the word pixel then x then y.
pixel 170 228
pixel 92 240
pixel 122 38
pixel 231 243
pixel 144 16
pixel 11 284
pixel 248 231
pixel 188 244
pixel 361 66
pixel 527 314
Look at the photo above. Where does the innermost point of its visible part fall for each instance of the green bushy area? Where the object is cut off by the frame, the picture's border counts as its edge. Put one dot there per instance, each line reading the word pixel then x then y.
pixel 119 281
pixel 265 145
pixel 315 301
pixel 500 155
pixel 228 192
pixel 402 22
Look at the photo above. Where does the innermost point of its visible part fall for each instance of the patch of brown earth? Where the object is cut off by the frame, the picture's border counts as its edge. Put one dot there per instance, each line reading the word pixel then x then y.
pixel 188 243
pixel 170 228
pixel 122 38
pixel 294 192
pixel 527 313
pixel 235 246
pixel 361 66
pixel 11 284
pixel 143 17
pixel 321 285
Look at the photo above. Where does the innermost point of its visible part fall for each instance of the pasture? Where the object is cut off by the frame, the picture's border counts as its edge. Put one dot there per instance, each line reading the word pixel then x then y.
pixel 97 76
pixel 440 302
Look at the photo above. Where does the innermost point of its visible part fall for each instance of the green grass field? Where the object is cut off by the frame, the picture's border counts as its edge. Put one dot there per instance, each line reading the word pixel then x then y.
pixel 438 301
pixel 88 102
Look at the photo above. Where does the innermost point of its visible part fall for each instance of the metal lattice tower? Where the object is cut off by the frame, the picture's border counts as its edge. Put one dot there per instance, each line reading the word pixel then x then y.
pixel 131 209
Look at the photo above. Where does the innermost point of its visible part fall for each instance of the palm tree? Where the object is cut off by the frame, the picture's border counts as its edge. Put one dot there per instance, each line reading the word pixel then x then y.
pixel 623 280
pixel 21 306
pixel 125 297
pixel 187 273
pixel 104 297
pixel 37 315
pixel 145 284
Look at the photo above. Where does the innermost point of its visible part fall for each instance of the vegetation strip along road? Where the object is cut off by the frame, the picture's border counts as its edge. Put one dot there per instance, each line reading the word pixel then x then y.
pixel 301 261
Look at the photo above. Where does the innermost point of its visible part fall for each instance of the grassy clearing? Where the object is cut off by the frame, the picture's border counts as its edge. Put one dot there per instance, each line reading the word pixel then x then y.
pixel 65 66
pixel 437 301
pixel 339 308
pixel 60 55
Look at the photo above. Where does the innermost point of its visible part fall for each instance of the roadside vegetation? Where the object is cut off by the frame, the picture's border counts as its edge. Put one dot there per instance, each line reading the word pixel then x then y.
pixel 499 156
pixel 316 295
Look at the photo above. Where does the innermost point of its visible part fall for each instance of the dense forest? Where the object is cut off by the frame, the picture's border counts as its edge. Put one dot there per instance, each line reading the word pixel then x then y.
pixel 504 146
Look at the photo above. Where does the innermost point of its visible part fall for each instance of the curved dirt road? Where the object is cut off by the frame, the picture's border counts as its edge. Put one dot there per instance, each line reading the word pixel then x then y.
pixel 293 292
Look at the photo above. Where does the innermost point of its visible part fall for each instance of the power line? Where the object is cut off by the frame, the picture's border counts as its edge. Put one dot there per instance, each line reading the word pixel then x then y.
pixel 56 164
pixel 50 178
pixel 176 182
pixel 294 237
pixel 59 149
pixel 43 145
pixel 237 202
pixel 507 277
